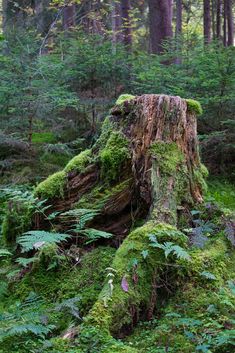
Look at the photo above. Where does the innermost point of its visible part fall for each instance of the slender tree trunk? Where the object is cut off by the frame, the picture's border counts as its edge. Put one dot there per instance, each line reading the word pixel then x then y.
pixel 43 15
pixel 218 19
pixel 207 21
pixel 126 22
pixel 230 19
pixel 213 16
pixel 116 23
pixel 225 24
pixel 69 16
pixel 160 24
pixel 178 29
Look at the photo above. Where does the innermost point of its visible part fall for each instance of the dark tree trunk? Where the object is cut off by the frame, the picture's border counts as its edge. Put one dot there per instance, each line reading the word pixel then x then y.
pixel 69 16
pixel 178 29
pixel 116 23
pixel 230 19
pixel 207 21
pixel 126 23
pixel 213 17
pixel 225 23
pixel 43 15
pixel 218 19
pixel 160 24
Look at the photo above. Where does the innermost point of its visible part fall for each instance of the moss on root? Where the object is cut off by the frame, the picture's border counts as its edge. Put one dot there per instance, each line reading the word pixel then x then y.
pixel 201 312
pixel 124 98
pixel 116 308
pixel 199 175
pixel 194 106
pixel 54 185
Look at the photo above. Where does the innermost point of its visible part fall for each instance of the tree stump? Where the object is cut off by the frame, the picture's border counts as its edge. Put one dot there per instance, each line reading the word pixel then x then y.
pixel 145 166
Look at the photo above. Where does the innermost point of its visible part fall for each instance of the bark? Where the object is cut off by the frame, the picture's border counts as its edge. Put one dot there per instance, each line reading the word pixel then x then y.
pixel 230 19
pixel 43 15
pixel 126 23
pixel 218 19
pixel 69 16
pixel 160 24
pixel 207 21
pixel 116 23
pixel 225 23
pixel 178 29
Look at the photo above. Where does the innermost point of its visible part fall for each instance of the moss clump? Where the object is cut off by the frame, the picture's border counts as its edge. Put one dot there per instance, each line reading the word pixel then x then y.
pixel 200 314
pixel 114 154
pixel 123 98
pixel 43 137
pixel 199 175
pixel 98 196
pixel 168 156
pixel 114 308
pixel 79 162
pixel 53 186
pixel 17 220
pixel 194 106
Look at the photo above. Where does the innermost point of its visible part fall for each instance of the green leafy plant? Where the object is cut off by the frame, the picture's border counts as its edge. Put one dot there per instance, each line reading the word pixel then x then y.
pixel 169 248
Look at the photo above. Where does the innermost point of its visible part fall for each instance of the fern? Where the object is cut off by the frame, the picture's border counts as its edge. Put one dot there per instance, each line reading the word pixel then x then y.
pixel 170 248
pixel 69 306
pixel 82 216
pixel 208 275
pixel 4 253
pixel 94 235
pixel 35 239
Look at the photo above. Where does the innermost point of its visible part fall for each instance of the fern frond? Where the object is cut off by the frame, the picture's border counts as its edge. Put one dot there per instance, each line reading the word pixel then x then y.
pixel 94 235
pixel 35 239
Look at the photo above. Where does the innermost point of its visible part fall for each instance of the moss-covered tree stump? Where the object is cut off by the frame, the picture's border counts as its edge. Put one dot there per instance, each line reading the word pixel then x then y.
pixel 145 166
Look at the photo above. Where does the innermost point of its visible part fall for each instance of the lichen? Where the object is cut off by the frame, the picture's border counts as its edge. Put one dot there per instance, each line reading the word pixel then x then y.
pixel 53 186
pixel 168 156
pixel 194 106
pixel 113 156
pixel 79 162
pixel 123 98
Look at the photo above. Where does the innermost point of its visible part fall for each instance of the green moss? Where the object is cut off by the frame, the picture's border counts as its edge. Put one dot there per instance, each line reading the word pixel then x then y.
pixel 113 156
pixel 199 175
pixel 53 186
pixel 194 106
pixel 168 156
pixel 222 192
pixel 17 220
pixel 123 98
pixel 79 162
pixel 98 196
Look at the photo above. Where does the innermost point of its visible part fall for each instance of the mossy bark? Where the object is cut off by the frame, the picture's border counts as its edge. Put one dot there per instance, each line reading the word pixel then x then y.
pixel 149 146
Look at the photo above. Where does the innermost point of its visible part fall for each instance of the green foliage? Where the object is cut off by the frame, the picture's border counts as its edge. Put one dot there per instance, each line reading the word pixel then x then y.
pixel 43 137
pixel 169 247
pixel 194 106
pixel 221 192
pixel 114 154
pixel 93 235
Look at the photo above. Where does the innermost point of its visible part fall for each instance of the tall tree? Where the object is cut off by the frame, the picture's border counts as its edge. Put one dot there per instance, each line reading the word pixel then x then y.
pixel 160 24
pixel 207 21
pixel 69 16
pixel 178 28
pixel 126 22
pixel 225 23
pixel 116 23
pixel 230 23
pixel 218 18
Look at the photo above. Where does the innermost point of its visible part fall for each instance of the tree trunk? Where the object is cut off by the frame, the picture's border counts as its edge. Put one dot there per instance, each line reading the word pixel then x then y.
pixel 225 24
pixel 69 16
pixel 148 160
pixel 126 23
pixel 43 15
pixel 160 24
pixel 207 21
pixel 178 29
pixel 116 23
pixel 230 20
pixel 218 19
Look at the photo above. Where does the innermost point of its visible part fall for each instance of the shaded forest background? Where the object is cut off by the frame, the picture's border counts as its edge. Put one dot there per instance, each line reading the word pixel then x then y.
pixel 63 65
